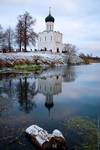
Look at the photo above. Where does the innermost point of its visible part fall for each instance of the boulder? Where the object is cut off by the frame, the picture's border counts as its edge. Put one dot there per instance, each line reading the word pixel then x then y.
pixel 42 140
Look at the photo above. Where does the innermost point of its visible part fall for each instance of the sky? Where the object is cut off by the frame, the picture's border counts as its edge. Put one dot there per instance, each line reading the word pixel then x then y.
pixel 78 20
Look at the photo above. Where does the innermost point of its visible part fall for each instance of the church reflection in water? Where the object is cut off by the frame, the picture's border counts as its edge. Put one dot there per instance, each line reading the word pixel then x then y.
pixel 25 88
pixel 49 87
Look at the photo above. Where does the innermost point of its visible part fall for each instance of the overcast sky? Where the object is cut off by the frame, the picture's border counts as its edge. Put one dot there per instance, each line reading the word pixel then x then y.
pixel 78 20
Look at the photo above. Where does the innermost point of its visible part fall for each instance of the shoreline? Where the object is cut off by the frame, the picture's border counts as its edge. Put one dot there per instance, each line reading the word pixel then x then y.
pixel 37 58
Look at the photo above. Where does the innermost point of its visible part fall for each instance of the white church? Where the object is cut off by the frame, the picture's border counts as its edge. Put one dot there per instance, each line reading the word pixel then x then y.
pixel 50 40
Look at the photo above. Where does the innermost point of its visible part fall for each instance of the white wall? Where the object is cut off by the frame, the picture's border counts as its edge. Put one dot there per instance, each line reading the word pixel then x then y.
pixel 45 40
pixel 58 41
pixel 50 40
pixel 49 26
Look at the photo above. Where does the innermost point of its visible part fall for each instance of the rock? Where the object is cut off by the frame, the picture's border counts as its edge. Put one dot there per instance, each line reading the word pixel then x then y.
pixel 42 140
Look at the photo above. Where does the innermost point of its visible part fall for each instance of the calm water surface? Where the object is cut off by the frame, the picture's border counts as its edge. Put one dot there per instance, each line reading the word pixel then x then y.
pixel 66 98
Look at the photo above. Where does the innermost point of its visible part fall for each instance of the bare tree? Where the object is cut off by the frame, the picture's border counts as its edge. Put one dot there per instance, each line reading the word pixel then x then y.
pixel 1 37
pixel 1 31
pixel 9 38
pixel 82 55
pixel 25 31
pixel 69 50
pixel 19 34
pixel 3 46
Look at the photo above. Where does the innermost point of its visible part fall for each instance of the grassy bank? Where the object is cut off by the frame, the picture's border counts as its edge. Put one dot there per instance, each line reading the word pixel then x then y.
pixel 28 67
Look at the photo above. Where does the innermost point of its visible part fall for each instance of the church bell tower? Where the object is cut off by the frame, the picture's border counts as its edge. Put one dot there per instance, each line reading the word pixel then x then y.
pixel 49 20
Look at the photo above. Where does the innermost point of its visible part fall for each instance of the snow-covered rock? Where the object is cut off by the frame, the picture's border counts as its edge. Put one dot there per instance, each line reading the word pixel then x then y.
pixel 57 133
pixel 45 141
pixel 40 134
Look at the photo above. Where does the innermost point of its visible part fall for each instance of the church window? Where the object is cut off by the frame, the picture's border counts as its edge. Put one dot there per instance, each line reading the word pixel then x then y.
pixel 45 38
pixel 51 38
pixel 50 27
pixel 40 39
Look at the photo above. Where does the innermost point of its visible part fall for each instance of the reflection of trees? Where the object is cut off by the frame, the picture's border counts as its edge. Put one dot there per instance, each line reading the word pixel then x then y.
pixel 68 74
pixel 24 88
pixel 7 75
pixel 6 94
pixel 26 94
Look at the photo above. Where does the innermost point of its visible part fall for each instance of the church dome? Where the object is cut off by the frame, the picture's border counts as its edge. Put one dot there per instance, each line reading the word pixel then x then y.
pixel 49 18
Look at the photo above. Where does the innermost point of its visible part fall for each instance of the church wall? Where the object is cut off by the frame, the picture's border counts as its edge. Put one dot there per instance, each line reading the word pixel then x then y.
pixel 50 40
pixel 45 40
pixel 58 41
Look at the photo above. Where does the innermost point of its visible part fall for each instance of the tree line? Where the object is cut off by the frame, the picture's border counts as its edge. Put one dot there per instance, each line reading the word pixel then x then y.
pixel 21 37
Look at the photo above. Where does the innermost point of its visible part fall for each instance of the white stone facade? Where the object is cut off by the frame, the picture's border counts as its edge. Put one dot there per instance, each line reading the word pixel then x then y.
pixel 50 40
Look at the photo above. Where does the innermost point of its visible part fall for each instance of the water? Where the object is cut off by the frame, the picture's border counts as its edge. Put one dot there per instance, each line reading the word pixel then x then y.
pixel 66 98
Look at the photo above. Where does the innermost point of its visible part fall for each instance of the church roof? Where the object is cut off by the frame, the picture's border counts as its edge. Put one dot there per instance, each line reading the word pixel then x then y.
pixel 49 18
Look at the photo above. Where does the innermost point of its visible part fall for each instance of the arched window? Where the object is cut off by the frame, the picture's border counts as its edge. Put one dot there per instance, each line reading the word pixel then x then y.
pixel 50 27
pixel 45 38
pixel 51 38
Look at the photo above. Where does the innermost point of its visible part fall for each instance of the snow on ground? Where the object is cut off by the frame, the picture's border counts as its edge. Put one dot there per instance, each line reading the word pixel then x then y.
pixel 30 56
pixel 42 57
pixel 26 55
